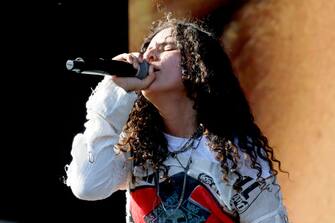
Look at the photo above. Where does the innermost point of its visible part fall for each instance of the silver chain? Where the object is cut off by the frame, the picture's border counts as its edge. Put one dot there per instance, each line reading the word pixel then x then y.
pixel 189 144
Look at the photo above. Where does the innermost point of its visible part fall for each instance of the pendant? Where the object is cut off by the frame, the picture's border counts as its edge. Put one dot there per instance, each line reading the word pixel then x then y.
pixel 173 216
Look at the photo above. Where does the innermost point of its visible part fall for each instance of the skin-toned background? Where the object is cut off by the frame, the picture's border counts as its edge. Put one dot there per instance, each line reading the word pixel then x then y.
pixel 284 55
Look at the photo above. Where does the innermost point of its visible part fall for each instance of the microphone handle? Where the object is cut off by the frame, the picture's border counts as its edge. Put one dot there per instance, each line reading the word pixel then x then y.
pixel 107 67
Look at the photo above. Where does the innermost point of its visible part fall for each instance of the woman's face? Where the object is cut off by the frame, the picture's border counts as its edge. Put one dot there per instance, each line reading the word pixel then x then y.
pixel 164 56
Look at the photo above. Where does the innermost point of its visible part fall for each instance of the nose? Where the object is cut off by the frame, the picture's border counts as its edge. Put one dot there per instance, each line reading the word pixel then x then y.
pixel 150 55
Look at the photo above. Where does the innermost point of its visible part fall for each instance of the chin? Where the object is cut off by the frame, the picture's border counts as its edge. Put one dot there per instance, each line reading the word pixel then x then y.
pixel 153 88
pixel 148 93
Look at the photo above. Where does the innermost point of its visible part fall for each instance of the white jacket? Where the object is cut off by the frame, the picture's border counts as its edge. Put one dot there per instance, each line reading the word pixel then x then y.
pixel 97 170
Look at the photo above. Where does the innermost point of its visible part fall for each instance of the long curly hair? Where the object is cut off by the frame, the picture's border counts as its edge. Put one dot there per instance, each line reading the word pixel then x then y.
pixel 219 101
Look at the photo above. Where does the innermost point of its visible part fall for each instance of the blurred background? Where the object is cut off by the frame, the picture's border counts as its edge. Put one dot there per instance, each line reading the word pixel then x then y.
pixel 283 52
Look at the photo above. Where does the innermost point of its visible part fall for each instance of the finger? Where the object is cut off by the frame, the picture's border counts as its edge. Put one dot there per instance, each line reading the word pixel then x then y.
pixel 130 58
pixel 121 57
pixel 140 58
pixel 136 64
pixel 135 54
pixel 133 59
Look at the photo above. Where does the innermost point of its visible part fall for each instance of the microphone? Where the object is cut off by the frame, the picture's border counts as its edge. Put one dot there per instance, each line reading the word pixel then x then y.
pixel 104 67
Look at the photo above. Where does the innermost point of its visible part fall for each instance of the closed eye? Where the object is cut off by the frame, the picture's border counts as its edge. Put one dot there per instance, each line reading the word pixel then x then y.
pixel 167 46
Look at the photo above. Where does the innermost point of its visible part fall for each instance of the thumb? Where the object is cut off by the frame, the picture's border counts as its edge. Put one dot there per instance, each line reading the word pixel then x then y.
pixel 147 81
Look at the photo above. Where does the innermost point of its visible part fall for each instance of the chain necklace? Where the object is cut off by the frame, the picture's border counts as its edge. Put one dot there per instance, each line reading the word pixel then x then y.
pixel 188 145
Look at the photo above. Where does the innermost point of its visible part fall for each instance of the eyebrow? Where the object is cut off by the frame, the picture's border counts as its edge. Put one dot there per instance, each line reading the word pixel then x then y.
pixel 163 44
pixel 166 43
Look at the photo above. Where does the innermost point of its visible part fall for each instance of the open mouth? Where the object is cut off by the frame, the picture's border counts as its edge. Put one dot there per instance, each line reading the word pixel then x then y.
pixel 156 69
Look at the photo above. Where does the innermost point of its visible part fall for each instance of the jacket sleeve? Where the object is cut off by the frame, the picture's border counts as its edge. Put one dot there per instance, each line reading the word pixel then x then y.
pixel 97 170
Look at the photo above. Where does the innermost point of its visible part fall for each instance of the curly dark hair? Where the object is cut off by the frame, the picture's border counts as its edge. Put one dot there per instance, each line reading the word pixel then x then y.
pixel 219 101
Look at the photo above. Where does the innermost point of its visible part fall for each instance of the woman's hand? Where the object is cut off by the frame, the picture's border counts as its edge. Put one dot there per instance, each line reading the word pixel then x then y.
pixel 133 83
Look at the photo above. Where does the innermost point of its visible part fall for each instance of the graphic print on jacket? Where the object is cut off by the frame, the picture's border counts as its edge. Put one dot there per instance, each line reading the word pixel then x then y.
pixel 198 204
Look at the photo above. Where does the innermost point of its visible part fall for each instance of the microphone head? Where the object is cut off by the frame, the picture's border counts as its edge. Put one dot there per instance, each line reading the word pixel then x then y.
pixel 75 65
